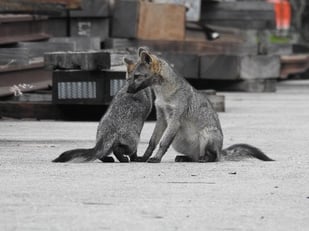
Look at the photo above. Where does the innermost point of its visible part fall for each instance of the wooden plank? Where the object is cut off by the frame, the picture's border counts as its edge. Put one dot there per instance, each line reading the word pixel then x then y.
pixel 14 82
pixel 239 67
pixel 81 43
pixel 293 64
pixel 247 85
pixel 37 49
pixel 14 56
pixel 38 6
pixel 254 15
pixel 11 18
pixel 37 110
pixel 237 6
pixel 242 24
pixel 300 48
pixel 125 16
pixel 161 21
pixel 254 85
pixel 259 66
pixel 219 67
pixel 279 49
pixel 23 38
pixel 93 8
pixel 26 53
pixel 81 60
pixel 187 47
pixel 33 64
pixel 31 97
pixel 244 14
pixel 22 29
pixel 186 65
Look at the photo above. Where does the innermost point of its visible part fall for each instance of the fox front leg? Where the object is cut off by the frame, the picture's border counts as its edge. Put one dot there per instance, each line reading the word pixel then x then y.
pixel 167 139
pixel 155 137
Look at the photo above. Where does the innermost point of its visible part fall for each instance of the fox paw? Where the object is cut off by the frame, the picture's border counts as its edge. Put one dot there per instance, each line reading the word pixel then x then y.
pixel 139 159
pixel 183 159
pixel 124 159
pixel 203 159
pixel 154 160
pixel 107 159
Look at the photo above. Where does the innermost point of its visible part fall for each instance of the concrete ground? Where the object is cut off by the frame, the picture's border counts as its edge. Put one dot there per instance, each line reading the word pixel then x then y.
pixel 36 194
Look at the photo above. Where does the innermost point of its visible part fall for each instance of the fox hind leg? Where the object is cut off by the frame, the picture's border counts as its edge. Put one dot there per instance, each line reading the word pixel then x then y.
pixel 211 152
pixel 210 156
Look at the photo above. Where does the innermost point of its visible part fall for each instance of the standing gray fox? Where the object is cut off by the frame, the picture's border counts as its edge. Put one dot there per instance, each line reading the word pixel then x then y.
pixel 119 129
pixel 185 117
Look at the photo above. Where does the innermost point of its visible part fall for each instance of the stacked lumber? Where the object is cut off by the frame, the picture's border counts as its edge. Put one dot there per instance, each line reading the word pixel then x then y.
pixel 38 6
pixel 84 83
pixel 25 36
pixel 72 36
pixel 234 56
pixel 91 77
pixel 91 20
pixel 23 63
pixel 17 28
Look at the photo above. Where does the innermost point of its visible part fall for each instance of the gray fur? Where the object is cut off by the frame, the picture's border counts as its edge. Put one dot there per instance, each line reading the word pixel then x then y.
pixel 185 118
pixel 119 129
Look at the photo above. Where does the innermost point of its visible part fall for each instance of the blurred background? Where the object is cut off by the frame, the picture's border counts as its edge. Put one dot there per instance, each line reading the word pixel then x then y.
pixel 62 59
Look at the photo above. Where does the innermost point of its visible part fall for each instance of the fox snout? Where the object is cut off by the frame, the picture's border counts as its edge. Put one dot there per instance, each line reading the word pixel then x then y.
pixel 132 89
pixel 140 83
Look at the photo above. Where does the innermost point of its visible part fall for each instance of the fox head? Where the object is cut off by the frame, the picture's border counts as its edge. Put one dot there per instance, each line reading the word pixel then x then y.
pixel 146 72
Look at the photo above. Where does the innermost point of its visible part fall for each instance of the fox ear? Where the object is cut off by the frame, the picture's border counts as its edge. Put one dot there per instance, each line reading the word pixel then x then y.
pixel 146 57
pixel 127 61
pixel 142 49
pixel 152 60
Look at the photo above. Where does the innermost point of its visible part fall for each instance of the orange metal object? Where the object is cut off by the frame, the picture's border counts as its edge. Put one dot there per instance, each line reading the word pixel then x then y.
pixel 282 10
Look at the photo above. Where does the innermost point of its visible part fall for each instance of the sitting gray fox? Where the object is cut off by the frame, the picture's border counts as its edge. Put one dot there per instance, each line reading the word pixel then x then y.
pixel 119 129
pixel 185 117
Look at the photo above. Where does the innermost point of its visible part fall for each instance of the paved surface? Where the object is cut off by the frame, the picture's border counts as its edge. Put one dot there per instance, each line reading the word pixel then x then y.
pixel 36 194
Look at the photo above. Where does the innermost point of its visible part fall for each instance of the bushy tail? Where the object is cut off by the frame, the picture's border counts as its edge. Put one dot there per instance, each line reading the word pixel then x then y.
pixel 77 155
pixel 241 151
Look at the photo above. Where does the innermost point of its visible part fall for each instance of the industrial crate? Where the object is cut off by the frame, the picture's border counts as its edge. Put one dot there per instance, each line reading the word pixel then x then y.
pixel 86 87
